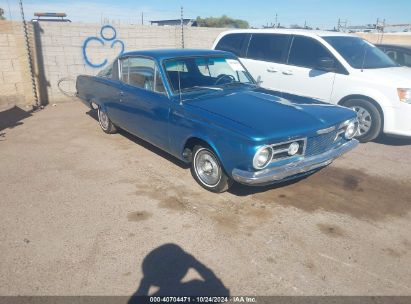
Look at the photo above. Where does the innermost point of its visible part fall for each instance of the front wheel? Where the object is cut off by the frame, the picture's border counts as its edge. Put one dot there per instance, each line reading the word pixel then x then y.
pixel 105 122
pixel 207 170
pixel 369 119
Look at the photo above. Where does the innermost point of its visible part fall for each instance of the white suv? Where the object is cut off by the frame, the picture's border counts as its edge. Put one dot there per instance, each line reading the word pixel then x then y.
pixel 332 67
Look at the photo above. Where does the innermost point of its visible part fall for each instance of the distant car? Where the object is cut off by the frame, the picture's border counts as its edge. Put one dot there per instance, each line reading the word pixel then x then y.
pixel 330 66
pixel 401 54
pixel 204 108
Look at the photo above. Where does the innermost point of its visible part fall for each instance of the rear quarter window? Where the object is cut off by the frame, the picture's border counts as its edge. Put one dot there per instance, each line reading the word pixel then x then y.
pixel 268 47
pixel 234 43
pixel 106 72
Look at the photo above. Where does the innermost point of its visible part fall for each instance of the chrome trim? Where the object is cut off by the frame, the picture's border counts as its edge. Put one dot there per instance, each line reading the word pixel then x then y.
pixel 275 174
pixel 343 126
pixel 304 140
pixel 119 68
pixel 268 160
pixel 325 131
pixel 339 132
pixel 279 151
pixel 345 123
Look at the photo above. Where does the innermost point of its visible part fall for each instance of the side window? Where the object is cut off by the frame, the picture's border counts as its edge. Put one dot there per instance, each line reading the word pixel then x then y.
pixel 232 43
pixel 268 47
pixel 107 72
pixel 142 73
pixel 306 52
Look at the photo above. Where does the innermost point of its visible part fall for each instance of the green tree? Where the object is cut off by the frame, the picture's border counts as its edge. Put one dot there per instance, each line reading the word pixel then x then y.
pixel 2 14
pixel 223 21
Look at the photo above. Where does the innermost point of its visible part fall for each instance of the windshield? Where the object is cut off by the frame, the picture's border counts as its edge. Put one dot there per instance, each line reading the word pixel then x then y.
pixel 205 73
pixel 359 53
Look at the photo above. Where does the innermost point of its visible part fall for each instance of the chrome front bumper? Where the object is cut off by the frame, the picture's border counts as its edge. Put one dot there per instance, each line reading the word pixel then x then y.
pixel 275 174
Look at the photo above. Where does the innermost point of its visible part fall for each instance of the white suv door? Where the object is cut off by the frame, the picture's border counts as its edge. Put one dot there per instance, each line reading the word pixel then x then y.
pixel 302 74
pixel 265 58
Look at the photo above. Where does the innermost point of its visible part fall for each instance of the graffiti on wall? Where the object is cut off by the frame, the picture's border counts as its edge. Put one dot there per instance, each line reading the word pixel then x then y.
pixel 108 34
pixel 107 39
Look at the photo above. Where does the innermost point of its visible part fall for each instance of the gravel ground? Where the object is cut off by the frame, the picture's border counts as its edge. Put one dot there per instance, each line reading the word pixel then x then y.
pixel 81 212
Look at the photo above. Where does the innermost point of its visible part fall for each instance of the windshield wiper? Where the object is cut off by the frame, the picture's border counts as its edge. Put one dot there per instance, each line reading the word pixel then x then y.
pixel 201 88
pixel 237 83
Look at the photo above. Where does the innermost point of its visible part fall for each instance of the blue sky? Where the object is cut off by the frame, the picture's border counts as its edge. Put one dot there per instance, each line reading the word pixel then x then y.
pixel 321 13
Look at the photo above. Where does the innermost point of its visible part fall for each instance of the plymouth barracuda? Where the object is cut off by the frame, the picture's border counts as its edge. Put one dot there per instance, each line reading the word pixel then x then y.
pixel 203 107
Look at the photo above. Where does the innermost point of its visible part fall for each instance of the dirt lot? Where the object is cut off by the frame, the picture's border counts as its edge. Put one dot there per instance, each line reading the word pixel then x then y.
pixel 81 210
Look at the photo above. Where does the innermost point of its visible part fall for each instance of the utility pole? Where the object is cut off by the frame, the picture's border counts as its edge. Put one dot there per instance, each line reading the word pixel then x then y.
pixel 142 18
pixel 8 5
pixel 182 28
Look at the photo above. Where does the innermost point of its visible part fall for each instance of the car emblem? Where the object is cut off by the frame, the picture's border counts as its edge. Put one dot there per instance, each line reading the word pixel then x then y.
pixel 327 130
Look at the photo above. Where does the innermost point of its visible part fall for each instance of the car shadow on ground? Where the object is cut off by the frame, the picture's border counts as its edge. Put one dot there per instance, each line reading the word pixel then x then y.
pixel 393 141
pixel 244 190
pixel 145 144
pixel 164 270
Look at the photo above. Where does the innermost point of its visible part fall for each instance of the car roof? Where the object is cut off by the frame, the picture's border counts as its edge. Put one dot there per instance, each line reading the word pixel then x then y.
pixel 396 46
pixel 161 54
pixel 309 33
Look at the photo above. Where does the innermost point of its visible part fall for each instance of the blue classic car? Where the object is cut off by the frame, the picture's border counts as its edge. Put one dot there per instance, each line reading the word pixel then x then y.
pixel 203 107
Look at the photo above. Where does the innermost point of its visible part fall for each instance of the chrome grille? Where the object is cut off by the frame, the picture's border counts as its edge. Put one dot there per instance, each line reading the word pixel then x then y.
pixel 321 143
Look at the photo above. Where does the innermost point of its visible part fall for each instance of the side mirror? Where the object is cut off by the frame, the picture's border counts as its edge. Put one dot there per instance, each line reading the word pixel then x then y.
pixel 326 64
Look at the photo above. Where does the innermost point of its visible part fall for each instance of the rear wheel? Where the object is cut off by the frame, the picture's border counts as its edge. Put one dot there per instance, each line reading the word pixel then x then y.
pixel 105 122
pixel 369 118
pixel 207 170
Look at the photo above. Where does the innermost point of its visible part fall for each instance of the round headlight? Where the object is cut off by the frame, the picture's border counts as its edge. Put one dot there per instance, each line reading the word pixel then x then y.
pixel 262 157
pixel 351 130
pixel 293 148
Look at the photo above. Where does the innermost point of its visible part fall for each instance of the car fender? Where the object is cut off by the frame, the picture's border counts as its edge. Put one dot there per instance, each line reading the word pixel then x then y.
pixel 382 101
pixel 227 144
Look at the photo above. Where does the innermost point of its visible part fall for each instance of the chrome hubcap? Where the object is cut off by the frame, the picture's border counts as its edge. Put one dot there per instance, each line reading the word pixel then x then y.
pixel 364 120
pixel 207 168
pixel 103 119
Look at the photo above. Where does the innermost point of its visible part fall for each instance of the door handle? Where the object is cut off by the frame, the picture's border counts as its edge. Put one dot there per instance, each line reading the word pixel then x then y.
pixel 288 72
pixel 272 70
pixel 121 93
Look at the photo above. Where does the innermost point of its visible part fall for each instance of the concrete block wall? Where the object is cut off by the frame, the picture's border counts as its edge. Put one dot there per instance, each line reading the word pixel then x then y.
pixel 61 49
pixel 390 38
pixel 15 80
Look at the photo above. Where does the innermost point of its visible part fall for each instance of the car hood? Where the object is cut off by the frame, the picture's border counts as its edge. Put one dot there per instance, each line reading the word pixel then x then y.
pixel 399 77
pixel 269 116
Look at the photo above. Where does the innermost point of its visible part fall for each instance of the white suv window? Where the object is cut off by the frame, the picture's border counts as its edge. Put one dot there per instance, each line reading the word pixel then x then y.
pixel 232 43
pixel 306 52
pixel 268 47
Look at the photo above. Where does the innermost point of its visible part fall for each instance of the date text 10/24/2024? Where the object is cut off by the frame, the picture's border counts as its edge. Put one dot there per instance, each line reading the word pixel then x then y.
pixel 203 299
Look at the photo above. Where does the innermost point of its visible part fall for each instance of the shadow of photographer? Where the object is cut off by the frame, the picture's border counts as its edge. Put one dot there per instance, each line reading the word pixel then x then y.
pixel 164 269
